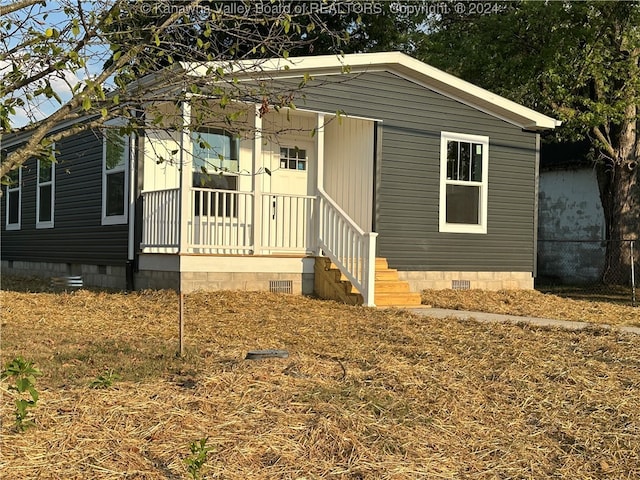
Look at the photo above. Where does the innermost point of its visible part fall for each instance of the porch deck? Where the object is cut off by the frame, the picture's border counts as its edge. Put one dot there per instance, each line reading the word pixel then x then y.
pixel 229 222
pixel 224 222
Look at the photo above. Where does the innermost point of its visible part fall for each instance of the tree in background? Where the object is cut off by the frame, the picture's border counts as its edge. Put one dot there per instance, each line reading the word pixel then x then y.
pixel 577 61
pixel 100 51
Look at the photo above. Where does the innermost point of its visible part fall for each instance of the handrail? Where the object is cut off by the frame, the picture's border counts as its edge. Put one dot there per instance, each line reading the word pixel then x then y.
pixel 343 214
pixel 348 246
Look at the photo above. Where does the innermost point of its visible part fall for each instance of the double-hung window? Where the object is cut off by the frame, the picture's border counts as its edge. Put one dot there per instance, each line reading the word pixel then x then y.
pixel 115 161
pixel 464 161
pixel 215 167
pixel 14 199
pixel 45 194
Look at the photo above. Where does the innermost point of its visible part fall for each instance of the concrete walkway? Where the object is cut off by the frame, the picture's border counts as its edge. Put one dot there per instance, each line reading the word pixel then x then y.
pixel 497 318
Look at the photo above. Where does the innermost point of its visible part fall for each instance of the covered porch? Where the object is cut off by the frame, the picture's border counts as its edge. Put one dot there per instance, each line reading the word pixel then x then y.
pixel 299 183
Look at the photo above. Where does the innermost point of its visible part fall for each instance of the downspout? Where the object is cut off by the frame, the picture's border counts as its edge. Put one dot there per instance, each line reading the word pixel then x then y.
pixel 535 207
pixel 136 167
pixel 131 223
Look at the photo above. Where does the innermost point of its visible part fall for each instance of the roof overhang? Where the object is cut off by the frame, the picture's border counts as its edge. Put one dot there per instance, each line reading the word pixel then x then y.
pixel 393 62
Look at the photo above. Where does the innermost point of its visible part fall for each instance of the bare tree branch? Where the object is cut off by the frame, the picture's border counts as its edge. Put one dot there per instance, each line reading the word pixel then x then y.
pixel 19 5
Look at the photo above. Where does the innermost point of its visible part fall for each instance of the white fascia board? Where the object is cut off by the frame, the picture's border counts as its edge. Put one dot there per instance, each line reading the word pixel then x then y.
pixel 394 62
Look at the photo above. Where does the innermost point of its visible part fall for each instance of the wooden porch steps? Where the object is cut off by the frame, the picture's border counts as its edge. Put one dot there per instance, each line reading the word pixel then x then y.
pixel 390 291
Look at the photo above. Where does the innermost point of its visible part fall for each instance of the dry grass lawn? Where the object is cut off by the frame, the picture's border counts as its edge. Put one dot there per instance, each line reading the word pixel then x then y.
pixel 535 304
pixel 364 394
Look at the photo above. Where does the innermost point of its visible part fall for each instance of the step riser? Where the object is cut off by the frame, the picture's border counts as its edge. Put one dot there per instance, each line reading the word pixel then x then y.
pixel 392 287
pixel 406 299
pixel 387 275
pixel 389 290
pixel 381 264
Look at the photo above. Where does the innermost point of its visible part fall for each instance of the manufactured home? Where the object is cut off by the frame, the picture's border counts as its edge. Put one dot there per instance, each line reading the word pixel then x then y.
pixel 387 177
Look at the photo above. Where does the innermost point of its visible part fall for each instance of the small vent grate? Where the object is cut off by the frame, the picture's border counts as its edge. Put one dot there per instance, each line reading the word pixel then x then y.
pixel 67 282
pixel 460 284
pixel 281 286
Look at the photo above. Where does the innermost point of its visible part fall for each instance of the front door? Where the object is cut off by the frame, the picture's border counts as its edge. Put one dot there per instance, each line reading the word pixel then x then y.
pixel 288 206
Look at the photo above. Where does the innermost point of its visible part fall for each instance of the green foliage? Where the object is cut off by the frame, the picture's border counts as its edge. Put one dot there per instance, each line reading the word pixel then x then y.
pixel 577 61
pixel 50 46
pixel 23 375
pixel 104 380
pixel 115 154
pixel 199 456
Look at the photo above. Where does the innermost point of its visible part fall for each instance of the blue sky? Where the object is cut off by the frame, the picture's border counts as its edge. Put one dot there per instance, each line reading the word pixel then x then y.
pixel 41 18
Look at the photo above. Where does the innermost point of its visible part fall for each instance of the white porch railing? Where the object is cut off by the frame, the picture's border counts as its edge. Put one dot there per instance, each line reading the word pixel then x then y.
pixel 348 246
pixel 161 221
pixel 220 222
pixel 287 223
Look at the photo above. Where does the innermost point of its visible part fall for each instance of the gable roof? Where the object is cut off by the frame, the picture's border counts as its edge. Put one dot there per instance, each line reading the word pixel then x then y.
pixel 402 65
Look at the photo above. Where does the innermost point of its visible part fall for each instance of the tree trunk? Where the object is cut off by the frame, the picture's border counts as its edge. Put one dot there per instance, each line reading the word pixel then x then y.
pixel 619 185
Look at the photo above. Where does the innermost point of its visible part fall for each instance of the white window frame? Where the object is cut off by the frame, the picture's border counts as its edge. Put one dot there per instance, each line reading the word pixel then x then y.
pixel 11 189
pixel 481 226
pixel 225 165
pixel 288 159
pixel 52 182
pixel 115 219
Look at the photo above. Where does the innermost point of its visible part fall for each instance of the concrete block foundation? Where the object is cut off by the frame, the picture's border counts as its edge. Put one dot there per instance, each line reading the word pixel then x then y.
pixel 419 281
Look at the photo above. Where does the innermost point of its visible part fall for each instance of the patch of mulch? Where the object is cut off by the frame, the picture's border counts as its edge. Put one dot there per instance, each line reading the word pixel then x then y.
pixel 364 393
pixel 533 303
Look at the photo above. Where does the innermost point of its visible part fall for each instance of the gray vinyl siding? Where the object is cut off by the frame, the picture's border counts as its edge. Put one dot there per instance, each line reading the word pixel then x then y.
pixel 77 236
pixel 407 200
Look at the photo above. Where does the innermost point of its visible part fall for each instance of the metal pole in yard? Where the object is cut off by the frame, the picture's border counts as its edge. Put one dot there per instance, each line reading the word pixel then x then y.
pixel 633 277
pixel 181 340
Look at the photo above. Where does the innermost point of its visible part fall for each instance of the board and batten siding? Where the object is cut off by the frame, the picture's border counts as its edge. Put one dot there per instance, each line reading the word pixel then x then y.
pixel 78 236
pixel 348 166
pixel 161 160
pixel 408 174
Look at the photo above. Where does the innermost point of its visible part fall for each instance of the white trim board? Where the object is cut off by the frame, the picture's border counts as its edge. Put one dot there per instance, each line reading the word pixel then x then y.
pixel 224 264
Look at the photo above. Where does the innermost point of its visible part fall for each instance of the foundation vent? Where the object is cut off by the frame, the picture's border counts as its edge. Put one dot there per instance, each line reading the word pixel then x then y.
pixel 460 284
pixel 67 282
pixel 281 286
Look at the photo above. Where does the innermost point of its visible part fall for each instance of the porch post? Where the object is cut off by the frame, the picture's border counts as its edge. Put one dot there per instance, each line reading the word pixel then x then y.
pixel 319 179
pixel 185 177
pixel 370 270
pixel 256 180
